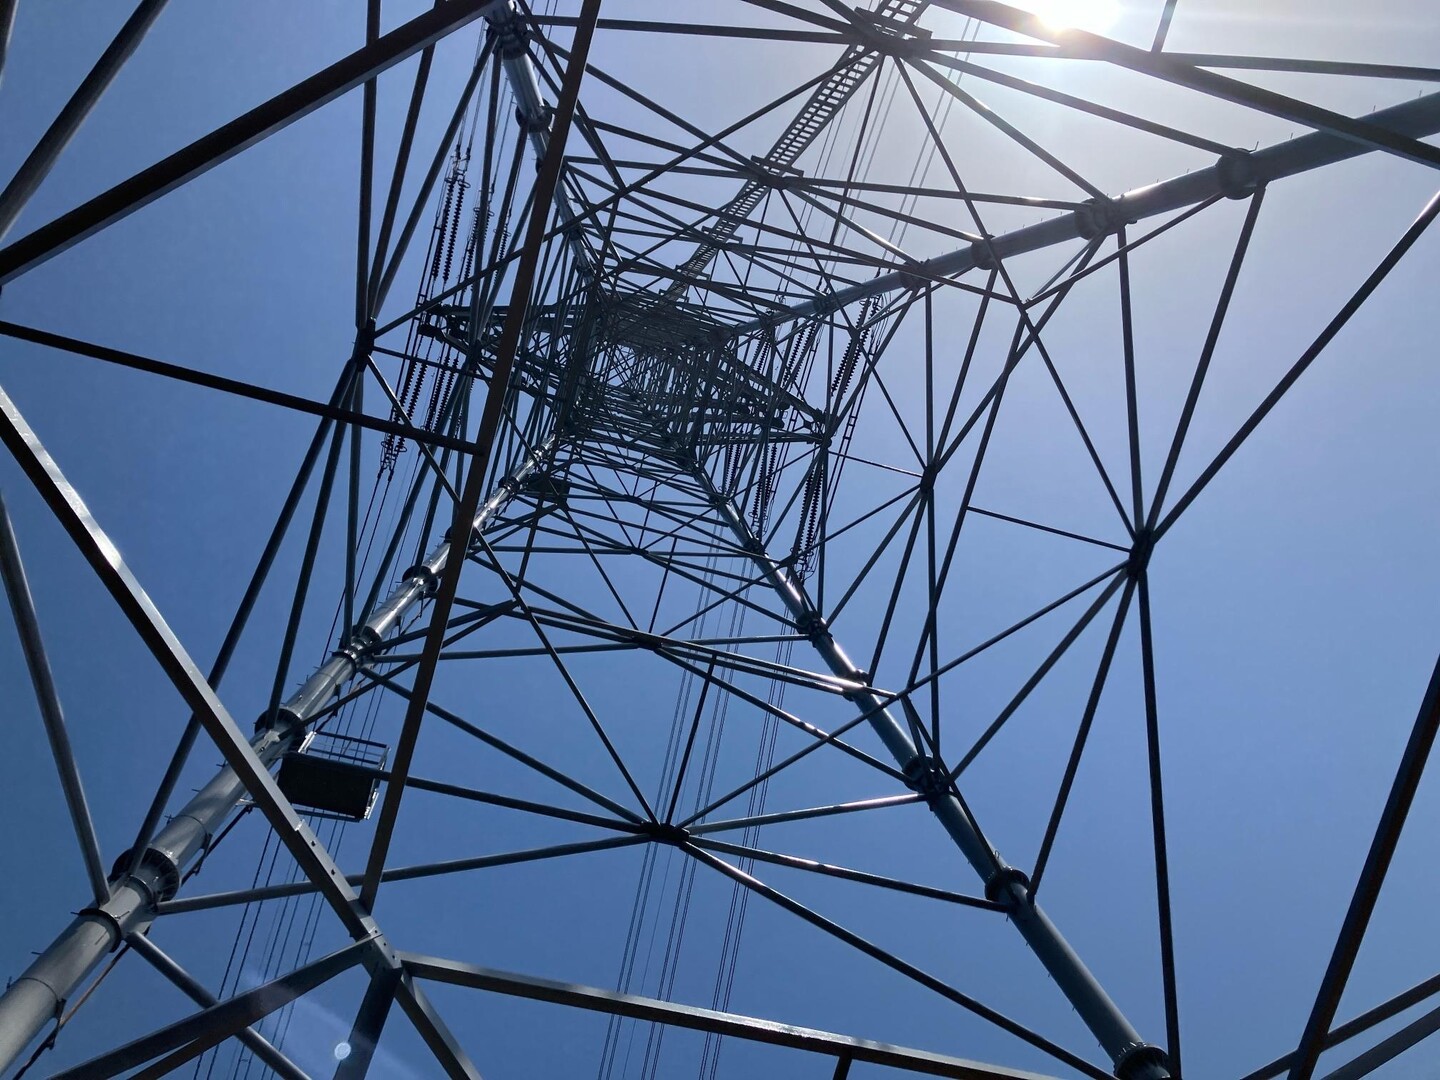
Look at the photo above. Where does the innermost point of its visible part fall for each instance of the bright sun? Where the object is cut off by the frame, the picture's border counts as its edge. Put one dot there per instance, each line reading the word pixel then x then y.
pixel 1097 16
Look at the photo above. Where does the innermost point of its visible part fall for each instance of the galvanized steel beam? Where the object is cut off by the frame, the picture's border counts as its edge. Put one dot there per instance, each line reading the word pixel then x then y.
pixel 47 151
pixel 755 1029
pixel 189 1038
pixel 244 131
pixel 446 577
pixel 1133 1057
pixel 1372 876
pixel 38 994
pixel 1236 175
pixel 196 992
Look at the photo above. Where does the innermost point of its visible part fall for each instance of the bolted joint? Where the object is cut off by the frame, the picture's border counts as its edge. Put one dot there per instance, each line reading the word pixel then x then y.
pixel 540 122
pixel 1141 1061
pixel 362 639
pixel 430 580
pixel 284 721
pixel 1238 176
pixel 1100 217
pixel 510 37
pixel 364 342
pixel 982 254
pixel 997 885
pixel 663 832
pixel 646 640
pixel 112 924
pixel 157 874
pixel 927 778
pixel 812 624
pixel 355 648
pixel 1140 552
pixel 912 281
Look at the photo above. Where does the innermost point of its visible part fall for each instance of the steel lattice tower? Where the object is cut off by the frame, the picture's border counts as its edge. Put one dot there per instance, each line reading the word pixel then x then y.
pixel 712 410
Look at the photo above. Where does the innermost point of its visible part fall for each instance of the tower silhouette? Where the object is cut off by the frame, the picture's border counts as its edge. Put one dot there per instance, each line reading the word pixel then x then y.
pixel 759 516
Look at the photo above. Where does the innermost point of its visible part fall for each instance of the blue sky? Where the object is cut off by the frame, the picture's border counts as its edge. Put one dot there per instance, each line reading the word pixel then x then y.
pixel 1294 604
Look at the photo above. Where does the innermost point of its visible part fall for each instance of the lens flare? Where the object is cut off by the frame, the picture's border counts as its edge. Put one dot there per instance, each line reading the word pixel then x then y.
pixel 1097 16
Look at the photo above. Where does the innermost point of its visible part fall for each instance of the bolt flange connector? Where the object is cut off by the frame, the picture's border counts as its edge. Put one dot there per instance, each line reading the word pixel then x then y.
pixel 927 777
pixel 1142 1061
pixel 665 833
pixel 1101 217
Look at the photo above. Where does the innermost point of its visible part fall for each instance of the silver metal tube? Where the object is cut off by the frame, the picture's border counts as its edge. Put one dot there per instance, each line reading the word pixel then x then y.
pixel 532 110
pixel 39 994
pixel 1235 175
pixel 1133 1058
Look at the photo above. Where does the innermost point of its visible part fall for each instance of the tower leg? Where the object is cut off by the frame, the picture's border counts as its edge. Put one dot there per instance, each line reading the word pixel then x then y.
pixel 40 993
pixel 1133 1058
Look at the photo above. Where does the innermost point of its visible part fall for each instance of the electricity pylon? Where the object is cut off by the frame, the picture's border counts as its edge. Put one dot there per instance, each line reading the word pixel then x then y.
pixel 603 370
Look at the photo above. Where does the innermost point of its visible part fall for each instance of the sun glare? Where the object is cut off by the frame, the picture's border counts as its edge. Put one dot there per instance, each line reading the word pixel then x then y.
pixel 1097 16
